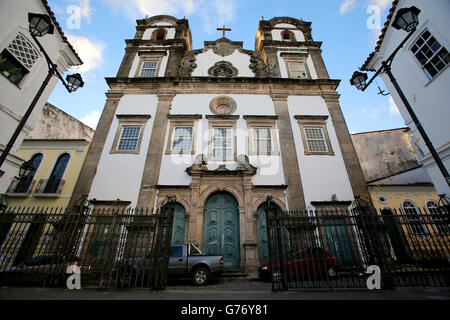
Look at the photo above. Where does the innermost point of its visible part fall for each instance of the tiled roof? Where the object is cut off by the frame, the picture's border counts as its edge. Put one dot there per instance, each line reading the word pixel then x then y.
pixel 52 16
pixel 381 37
pixel 405 129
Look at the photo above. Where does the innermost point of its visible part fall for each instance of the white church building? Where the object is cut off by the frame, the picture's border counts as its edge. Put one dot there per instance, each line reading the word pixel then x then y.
pixel 221 128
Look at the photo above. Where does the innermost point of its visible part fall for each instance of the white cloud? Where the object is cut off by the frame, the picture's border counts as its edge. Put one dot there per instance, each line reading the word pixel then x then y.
pixel 91 119
pixel 214 13
pixel 91 52
pixel 86 10
pixel 347 5
pixel 393 109
pixel 383 4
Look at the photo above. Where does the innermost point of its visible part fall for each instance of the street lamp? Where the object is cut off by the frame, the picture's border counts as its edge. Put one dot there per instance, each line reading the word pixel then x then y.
pixel 26 169
pixel 406 19
pixel 39 26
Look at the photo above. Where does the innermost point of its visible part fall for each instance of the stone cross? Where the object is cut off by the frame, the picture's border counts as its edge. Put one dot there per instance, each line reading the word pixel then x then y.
pixel 223 29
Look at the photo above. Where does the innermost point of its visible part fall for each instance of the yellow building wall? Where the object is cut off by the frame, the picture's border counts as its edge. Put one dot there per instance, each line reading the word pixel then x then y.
pixel 423 247
pixel 51 150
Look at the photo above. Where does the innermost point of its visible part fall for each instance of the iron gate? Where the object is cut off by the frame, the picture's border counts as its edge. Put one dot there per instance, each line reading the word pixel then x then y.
pixel 333 248
pixel 113 247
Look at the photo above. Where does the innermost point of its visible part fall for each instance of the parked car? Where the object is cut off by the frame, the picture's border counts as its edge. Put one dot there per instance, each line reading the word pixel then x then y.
pixel 303 264
pixel 184 260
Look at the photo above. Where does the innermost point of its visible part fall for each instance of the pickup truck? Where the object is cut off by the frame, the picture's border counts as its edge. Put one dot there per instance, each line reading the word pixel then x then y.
pixel 185 260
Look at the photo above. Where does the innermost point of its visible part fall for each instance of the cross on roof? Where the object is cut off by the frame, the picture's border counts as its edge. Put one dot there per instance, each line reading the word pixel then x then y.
pixel 223 29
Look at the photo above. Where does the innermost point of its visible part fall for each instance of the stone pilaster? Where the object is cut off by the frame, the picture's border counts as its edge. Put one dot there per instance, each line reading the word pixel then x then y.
pixel 319 65
pixel 152 166
pixel 127 62
pixel 272 62
pixel 89 168
pixel 349 155
pixel 289 158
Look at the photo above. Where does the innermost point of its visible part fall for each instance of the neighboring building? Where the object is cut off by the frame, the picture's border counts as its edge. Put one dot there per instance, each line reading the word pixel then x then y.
pixel 23 69
pixel 403 194
pixel 221 128
pixel 392 170
pixel 421 69
pixel 57 146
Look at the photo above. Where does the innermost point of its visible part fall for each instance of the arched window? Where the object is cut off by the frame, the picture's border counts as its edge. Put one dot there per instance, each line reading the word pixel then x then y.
pixel 438 216
pixel 414 218
pixel 54 181
pixel 24 184
pixel 287 35
pixel 159 34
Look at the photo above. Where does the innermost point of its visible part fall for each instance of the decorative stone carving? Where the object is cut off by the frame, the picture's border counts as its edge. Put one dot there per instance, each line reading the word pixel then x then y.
pixel 223 48
pixel 187 65
pixel 257 65
pixel 222 105
pixel 244 164
pixel 223 69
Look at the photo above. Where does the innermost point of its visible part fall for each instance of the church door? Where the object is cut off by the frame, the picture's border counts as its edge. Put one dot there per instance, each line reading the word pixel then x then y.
pixel 261 225
pixel 178 225
pixel 221 229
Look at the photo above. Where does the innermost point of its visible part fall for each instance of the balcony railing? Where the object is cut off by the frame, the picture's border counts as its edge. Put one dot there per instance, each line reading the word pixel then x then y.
pixel 49 187
pixel 20 187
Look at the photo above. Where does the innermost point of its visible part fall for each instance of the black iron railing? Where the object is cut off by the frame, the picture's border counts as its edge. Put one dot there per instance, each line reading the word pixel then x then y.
pixel 38 245
pixel 333 248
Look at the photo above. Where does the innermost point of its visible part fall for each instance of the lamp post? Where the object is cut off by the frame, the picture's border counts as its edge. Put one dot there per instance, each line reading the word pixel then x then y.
pixel 406 19
pixel 39 26
pixel 26 169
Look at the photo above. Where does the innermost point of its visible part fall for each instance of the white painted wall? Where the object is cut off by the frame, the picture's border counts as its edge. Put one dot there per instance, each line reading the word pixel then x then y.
pixel 322 176
pixel 428 98
pixel 206 60
pixel 126 168
pixel 270 170
pixel 14 100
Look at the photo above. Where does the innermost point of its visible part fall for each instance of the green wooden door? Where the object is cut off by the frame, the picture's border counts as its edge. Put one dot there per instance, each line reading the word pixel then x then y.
pixel 179 222
pixel 221 229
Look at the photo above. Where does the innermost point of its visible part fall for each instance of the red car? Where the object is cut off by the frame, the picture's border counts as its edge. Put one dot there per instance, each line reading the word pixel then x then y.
pixel 304 264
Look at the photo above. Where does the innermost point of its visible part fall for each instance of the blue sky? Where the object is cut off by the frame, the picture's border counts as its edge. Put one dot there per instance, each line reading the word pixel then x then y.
pixel 348 29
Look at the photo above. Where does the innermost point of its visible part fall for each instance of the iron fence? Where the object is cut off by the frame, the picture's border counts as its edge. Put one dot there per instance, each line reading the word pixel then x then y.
pixel 39 245
pixel 333 248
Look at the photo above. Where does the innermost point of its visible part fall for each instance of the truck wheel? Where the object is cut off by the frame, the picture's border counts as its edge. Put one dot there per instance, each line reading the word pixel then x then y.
pixel 200 277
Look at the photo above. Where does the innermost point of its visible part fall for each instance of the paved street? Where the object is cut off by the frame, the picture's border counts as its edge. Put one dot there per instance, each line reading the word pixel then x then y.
pixel 223 289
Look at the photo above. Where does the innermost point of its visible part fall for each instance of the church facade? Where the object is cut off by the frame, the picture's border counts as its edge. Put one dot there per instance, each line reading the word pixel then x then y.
pixel 221 128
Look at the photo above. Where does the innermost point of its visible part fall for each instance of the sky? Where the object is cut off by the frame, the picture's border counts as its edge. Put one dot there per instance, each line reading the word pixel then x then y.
pixel 348 29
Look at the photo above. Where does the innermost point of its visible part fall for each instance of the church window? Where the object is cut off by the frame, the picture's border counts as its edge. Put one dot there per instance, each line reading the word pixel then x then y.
pixel 297 70
pixel 129 138
pixel 261 134
pixel 287 35
pixel 314 134
pixel 129 133
pixel 159 34
pixel 315 139
pixel 182 139
pixel 17 59
pixel 222 143
pixel 432 56
pixel 182 131
pixel 149 68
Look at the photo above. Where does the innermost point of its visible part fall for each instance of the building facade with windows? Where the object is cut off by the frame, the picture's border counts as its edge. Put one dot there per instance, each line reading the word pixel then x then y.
pixel 403 194
pixel 421 69
pixel 23 69
pixel 57 147
pixel 221 128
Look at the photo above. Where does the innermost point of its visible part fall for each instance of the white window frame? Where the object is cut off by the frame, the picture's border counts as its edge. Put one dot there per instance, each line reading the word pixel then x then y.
pixel 435 53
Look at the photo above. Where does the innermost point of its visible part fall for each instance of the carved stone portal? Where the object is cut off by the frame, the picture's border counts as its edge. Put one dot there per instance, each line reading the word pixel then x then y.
pixel 223 69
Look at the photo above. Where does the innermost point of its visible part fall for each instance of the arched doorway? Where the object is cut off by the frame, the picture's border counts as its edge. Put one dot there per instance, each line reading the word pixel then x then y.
pixel 261 230
pixel 179 223
pixel 221 229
